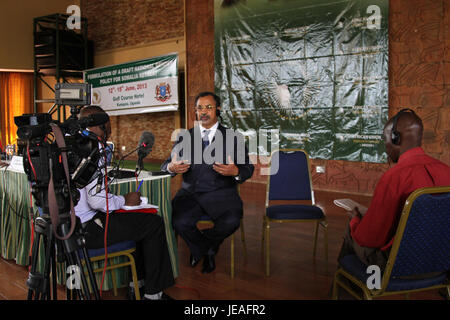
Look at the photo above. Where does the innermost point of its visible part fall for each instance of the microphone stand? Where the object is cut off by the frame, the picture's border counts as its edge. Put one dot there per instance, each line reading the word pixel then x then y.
pixel 116 169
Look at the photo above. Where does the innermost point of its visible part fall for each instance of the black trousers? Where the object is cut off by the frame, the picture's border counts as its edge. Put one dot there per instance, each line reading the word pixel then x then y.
pixel 147 230
pixel 187 212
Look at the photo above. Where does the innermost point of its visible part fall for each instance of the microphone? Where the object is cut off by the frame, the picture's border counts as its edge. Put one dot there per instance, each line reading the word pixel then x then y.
pixel 144 148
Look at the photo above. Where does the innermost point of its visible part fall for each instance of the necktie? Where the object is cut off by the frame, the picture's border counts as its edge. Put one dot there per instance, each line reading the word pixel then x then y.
pixel 205 139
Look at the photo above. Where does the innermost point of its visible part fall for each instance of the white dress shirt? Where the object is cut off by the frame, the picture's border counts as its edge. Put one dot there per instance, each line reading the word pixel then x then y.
pixel 212 131
pixel 90 201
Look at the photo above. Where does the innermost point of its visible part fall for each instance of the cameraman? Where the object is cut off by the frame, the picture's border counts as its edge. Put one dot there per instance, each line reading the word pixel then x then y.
pixel 153 263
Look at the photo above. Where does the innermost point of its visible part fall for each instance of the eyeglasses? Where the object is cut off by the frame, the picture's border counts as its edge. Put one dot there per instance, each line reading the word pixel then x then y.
pixel 207 107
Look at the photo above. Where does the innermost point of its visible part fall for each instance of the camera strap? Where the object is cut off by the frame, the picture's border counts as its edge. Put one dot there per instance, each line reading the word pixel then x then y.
pixel 52 203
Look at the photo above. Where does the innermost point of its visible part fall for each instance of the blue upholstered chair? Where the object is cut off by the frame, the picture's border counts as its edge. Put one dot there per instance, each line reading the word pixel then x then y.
pixel 121 249
pixel 421 246
pixel 290 181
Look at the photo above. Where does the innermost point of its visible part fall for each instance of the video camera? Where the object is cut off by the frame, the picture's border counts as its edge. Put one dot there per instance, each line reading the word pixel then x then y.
pixel 59 158
pixel 42 156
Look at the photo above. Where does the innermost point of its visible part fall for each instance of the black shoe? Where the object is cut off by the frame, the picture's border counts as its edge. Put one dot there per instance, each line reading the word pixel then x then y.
pixel 131 295
pixel 193 261
pixel 209 263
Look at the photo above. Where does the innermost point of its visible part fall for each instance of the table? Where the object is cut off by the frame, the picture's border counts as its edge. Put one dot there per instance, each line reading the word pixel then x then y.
pixel 15 229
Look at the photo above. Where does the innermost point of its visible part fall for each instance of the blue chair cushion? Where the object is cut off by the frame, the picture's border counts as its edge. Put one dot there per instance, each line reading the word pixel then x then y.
pixel 357 268
pixel 295 211
pixel 120 246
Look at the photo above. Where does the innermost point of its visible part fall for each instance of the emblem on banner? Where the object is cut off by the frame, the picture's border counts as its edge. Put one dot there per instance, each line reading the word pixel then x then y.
pixel 163 92
pixel 96 97
pixel 281 101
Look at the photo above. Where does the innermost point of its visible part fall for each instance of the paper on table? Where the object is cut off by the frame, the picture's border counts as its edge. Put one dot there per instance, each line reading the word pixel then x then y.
pixel 349 204
pixel 144 205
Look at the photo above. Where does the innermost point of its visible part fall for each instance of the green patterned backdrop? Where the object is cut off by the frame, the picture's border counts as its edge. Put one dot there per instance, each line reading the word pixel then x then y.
pixel 316 70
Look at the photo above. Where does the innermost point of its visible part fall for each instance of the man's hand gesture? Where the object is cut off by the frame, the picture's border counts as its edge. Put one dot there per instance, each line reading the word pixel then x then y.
pixel 178 166
pixel 229 169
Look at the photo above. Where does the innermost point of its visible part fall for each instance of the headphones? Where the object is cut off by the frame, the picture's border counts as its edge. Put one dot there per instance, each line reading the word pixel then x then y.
pixel 89 134
pixel 217 113
pixel 395 135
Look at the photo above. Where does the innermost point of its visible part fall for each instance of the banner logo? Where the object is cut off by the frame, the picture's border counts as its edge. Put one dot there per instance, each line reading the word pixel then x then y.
pixel 163 92
pixel 96 97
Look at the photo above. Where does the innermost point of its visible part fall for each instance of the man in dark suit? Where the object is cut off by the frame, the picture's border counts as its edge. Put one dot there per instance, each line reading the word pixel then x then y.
pixel 213 160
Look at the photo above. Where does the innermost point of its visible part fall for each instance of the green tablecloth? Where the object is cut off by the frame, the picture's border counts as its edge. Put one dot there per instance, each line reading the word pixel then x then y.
pixel 15 230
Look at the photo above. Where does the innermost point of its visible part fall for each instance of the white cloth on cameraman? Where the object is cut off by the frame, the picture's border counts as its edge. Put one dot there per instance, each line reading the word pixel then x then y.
pixel 92 201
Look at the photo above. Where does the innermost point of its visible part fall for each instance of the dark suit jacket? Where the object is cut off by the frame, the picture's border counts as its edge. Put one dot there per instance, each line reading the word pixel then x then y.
pixel 213 191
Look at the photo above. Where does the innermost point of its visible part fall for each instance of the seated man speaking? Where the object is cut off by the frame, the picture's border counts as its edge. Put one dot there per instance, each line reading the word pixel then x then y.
pixel 213 160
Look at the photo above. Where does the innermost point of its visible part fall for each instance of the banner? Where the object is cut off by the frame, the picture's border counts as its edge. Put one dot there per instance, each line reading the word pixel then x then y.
pixel 143 86
pixel 316 70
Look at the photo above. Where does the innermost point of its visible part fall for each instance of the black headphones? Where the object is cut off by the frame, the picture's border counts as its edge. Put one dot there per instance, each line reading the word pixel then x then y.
pixel 89 134
pixel 103 127
pixel 217 113
pixel 395 135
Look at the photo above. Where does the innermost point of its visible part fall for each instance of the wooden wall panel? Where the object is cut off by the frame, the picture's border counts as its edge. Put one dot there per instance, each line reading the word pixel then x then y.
pixel 199 51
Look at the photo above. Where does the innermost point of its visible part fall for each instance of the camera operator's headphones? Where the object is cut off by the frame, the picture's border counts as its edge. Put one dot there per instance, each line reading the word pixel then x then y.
pixel 395 135
pixel 89 134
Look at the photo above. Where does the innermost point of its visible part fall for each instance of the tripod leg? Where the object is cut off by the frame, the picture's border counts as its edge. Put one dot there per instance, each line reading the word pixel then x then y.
pixel 38 282
pixel 83 276
pixel 54 273
pixel 72 263
pixel 49 251
pixel 91 274
pixel 32 285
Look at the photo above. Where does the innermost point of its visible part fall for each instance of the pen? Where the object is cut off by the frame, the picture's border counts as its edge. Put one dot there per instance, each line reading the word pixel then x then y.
pixel 140 184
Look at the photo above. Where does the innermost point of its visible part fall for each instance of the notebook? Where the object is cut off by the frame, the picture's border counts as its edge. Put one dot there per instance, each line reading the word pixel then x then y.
pixel 349 204
pixel 144 205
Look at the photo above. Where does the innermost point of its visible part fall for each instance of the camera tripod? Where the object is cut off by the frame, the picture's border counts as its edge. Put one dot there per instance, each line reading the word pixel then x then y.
pixel 73 250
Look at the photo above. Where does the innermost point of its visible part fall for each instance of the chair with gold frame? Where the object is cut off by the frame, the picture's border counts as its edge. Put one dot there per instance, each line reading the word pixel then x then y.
pixel 123 249
pixel 420 247
pixel 206 222
pixel 290 181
